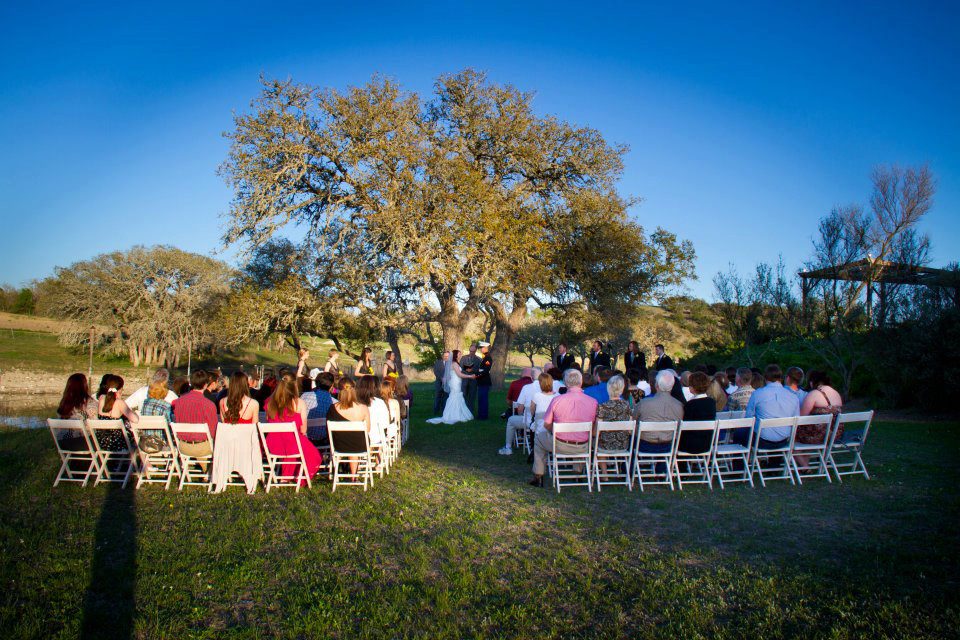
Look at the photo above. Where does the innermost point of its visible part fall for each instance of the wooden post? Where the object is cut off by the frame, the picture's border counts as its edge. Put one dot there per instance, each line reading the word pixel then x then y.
pixel 189 355
pixel 90 368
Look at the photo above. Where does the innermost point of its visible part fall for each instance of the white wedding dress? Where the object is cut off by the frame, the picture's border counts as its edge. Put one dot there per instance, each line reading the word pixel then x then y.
pixel 455 410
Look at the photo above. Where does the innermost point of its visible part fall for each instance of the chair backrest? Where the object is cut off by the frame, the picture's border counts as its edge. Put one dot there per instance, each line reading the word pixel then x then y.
pixel 98 427
pixel 74 429
pixel 824 419
pixel 615 426
pixel 730 415
pixel 150 422
pixel 732 424
pixel 776 423
pixel 658 427
pixel 186 428
pixel 698 426
pixel 154 425
pixel 847 419
pixel 266 428
pixel 274 427
pixel 572 427
pixel 518 408
pixel 334 426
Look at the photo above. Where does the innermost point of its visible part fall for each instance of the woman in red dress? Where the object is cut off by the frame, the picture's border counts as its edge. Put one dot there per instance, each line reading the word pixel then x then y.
pixel 285 405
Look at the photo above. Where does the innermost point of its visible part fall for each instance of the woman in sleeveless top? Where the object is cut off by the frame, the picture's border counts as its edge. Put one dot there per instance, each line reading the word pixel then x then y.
pixel 390 366
pixel 388 389
pixel 364 367
pixel 332 365
pixel 285 405
pixel 238 407
pixel 75 404
pixel 822 400
pixel 110 406
pixel 349 409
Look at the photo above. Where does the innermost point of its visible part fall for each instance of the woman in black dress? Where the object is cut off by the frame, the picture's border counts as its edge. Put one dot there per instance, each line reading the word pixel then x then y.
pixel 699 407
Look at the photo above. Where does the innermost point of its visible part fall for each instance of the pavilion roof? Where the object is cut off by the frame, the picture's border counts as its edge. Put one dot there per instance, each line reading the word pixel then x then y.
pixel 881 271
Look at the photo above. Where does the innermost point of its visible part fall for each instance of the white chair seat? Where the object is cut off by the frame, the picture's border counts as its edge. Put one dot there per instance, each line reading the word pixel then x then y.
pixel 732 448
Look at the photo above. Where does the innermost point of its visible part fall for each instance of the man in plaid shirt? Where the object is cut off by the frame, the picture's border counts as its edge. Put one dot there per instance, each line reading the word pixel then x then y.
pixel 193 408
pixel 318 402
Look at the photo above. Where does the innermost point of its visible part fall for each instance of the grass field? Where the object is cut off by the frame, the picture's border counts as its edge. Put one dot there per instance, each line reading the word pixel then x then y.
pixel 454 544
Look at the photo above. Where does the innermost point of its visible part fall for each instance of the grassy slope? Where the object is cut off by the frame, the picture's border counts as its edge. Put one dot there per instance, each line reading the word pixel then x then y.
pixel 454 544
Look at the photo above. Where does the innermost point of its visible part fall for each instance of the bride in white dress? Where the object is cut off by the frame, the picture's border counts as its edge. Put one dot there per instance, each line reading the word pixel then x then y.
pixel 455 410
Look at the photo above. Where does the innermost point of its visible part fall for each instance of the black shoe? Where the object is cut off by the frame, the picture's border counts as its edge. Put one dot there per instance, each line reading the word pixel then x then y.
pixel 536 482
pixel 504 415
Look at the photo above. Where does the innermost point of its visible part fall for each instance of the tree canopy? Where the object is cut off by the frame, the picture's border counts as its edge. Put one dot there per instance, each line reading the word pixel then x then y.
pixel 439 210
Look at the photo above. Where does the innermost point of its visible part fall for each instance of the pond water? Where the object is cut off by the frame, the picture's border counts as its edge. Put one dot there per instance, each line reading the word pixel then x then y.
pixel 27 411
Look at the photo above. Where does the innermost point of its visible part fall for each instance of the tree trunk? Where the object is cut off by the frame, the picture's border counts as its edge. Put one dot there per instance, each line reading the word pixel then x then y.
pixel 393 339
pixel 506 326
pixel 134 354
pixel 453 320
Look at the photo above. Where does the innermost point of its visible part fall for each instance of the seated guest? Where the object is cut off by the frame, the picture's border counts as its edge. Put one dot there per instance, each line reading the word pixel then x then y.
pixel 368 393
pixel 75 404
pixel 792 381
pixel 318 403
pixel 238 407
pixel 180 386
pixel 771 401
pixel 285 405
pixel 513 391
pixel 193 408
pixel 731 374
pixel 557 376
pixel 110 406
pixel 599 391
pixel 156 403
pixel 349 409
pixel 699 407
pixel 721 379
pixel 757 380
pixel 135 399
pixel 822 400
pixel 388 388
pixel 717 394
pixel 572 406
pixel 637 388
pixel 404 394
pixel 267 386
pixel 521 421
pixel 685 385
pixel 738 399
pixel 660 407
pixel 616 409
pixel 212 388
pixel 541 400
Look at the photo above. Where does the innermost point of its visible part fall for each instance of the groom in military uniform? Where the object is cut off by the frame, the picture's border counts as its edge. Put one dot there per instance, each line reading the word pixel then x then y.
pixel 483 381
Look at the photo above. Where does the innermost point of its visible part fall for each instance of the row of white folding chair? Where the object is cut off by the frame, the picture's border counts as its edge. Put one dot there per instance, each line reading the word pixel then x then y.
pixel 83 455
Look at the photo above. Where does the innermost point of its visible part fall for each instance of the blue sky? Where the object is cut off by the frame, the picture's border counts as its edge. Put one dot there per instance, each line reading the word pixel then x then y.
pixel 746 122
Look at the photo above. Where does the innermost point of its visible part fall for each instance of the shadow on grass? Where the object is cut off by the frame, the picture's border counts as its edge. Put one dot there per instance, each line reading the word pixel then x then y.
pixel 110 601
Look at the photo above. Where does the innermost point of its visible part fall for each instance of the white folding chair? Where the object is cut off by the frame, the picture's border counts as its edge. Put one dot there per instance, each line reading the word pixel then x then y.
pixel 645 463
pixel 158 466
pixel 380 451
pixel 850 443
pixel 730 415
pixel 696 466
pixel 286 469
pixel 114 465
pixel 194 470
pixel 364 459
pixel 731 461
pixel 320 424
pixel 572 469
pixel 764 460
pixel 616 458
pixel 78 457
pixel 816 452
pixel 406 423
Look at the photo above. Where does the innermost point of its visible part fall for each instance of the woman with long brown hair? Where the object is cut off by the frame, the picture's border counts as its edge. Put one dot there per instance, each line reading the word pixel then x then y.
pixel 364 366
pixel 76 403
pixel 285 405
pixel 238 407
pixel 348 408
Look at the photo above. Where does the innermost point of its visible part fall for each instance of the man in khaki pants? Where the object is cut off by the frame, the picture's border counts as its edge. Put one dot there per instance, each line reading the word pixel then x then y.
pixel 572 406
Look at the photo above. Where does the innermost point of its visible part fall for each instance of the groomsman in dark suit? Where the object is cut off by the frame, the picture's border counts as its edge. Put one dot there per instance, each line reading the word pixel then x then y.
pixel 634 358
pixel 598 358
pixel 563 360
pixel 663 361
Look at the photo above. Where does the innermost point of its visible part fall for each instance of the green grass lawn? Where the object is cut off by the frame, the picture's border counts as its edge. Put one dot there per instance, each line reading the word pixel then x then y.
pixel 455 544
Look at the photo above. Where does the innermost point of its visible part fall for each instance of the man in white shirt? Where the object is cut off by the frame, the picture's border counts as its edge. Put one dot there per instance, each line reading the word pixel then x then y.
pixel 135 400
pixel 515 422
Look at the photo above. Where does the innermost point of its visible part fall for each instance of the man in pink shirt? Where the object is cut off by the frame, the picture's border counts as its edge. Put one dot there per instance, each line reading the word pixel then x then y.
pixel 572 406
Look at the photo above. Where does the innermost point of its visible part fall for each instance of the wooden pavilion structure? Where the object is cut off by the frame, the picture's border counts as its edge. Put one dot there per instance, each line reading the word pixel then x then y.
pixel 878 276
